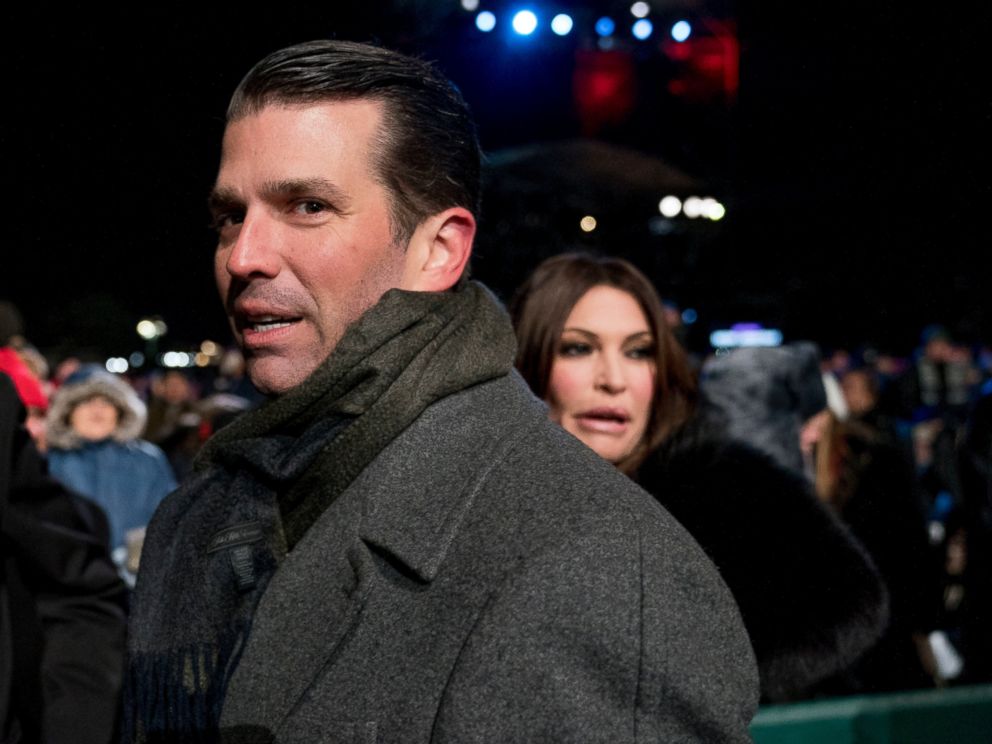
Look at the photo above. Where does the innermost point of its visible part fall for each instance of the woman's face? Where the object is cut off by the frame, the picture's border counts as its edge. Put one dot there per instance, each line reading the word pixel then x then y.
pixel 94 419
pixel 602 379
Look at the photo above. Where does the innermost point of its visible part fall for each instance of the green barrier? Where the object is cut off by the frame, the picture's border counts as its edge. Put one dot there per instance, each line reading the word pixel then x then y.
pixel 961 715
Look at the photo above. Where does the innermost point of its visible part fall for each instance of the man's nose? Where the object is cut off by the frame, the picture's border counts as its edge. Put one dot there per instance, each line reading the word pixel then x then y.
pixel 255 253
pixel 610 373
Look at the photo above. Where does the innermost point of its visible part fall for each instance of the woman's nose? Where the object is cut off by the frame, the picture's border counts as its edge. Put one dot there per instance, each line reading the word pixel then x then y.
pixel 610 374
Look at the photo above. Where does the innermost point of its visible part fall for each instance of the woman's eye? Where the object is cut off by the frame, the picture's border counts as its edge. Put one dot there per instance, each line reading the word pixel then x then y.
pixel 641 352
pixel 573 348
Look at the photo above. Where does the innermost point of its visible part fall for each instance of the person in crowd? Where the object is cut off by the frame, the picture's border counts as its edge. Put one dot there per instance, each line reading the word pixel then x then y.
pixel 592 343
pixel 30 389
pixel 939 383
pixel 93 427
pixel 975 520
pixel 172 398
pixel 175 420
pixel 868 481
pixel 61 601
pixel 862 395
pixel 398 545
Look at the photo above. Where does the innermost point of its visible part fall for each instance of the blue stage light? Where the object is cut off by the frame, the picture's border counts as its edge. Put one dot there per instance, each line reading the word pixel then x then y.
pixel 524 22
pixel 642 29
pixel 485 21
pixel 681 30
pixel 561 24
pixel 605 26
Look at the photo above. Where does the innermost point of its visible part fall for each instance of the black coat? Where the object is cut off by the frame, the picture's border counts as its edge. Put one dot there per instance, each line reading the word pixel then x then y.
pixel 811 598
pixel 61 601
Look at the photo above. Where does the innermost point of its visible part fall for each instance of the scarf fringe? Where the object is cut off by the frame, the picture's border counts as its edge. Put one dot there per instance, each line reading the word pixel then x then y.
pixel 178 695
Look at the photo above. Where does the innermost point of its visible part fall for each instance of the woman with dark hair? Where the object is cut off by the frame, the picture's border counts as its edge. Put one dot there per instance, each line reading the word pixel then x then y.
pixel 564 285
pixel 594 345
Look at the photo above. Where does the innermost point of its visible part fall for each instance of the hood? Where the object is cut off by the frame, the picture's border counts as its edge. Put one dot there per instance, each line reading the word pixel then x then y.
pixel 763 396
pixel 132 410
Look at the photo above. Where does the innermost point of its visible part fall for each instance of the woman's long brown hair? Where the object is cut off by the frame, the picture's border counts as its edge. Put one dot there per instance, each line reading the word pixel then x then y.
pixel 543 304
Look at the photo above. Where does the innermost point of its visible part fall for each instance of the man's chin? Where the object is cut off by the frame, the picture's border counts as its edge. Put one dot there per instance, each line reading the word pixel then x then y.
pixel 274 375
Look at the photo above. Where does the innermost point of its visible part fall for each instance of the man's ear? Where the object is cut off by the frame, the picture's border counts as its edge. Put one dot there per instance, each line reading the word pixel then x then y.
pixel 439 250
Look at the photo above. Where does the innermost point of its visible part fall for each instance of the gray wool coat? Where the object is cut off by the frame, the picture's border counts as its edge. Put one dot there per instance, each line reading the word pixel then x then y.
pixel 489 579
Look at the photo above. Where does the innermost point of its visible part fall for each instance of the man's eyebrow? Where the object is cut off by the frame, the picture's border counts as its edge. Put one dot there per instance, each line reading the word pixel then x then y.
pixel 221 198
pixel 318 187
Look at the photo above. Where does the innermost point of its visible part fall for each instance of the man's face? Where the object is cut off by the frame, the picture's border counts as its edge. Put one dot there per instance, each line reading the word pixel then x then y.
pixel 305 243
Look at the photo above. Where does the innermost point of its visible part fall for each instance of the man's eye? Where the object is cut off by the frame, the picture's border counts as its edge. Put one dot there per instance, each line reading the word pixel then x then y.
pixel 573 349
pixel 310 206
pixel 225 220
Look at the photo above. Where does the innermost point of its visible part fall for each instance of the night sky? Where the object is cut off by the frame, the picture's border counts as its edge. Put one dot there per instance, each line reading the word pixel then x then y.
pixel 852 162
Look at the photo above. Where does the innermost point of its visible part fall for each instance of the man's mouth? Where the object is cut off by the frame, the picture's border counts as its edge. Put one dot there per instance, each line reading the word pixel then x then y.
pixel 261 325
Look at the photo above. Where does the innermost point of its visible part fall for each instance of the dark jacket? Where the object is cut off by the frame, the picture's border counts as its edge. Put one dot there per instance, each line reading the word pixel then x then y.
pixel 810 597
pixel 61 602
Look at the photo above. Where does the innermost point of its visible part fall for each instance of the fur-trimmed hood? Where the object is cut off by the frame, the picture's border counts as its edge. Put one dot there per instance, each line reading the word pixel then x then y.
pixel 763 396
pixel 132 411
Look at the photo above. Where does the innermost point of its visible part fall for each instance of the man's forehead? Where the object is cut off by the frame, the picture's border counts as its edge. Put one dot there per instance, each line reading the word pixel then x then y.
pixel 304 133
pixel 329 113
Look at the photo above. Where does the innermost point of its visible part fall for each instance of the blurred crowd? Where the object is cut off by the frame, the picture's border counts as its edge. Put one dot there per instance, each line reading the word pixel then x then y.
pixel 898 449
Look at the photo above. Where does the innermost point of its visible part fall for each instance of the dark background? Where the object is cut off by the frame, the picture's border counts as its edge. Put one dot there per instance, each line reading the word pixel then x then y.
pixel 852 160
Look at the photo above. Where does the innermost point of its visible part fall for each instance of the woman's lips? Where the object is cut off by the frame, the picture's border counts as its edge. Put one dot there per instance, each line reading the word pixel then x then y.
pixel 604 420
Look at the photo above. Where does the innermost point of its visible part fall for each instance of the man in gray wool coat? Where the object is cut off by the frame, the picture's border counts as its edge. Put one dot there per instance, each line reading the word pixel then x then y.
pixel 399 546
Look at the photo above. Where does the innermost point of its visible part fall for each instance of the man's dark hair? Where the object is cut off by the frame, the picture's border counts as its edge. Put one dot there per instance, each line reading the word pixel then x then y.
pixel 426 154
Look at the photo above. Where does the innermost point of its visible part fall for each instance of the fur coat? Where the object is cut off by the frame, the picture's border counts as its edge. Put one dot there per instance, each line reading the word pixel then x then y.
pixel 811 598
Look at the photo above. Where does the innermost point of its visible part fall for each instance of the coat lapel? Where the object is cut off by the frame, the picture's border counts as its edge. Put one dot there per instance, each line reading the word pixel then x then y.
pixel 312 602
pixel 406 507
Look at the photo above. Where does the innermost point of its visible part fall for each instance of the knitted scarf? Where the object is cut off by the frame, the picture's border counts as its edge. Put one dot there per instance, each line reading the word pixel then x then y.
pixel 261 482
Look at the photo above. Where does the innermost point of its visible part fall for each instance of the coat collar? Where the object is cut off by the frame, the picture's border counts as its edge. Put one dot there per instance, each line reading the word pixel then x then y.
pixel 419 492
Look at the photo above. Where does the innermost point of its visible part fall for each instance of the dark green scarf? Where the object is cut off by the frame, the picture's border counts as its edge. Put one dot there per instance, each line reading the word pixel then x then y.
pixel 261 482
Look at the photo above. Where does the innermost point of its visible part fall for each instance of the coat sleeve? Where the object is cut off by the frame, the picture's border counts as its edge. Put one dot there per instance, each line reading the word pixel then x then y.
pixel 609 637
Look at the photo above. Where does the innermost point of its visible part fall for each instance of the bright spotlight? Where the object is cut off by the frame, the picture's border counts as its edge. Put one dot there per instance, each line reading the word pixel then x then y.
pixel 524 22
pixel 146 329
pixel 640 9
pixel 117 365
pixel 588 223
pixel 561 24
pixel 693 207
pixel 485 21
pixel 605 26
pixel 681 30
pixel 642 29
pixel 717 212
pixel 470 5
pixel 670 206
